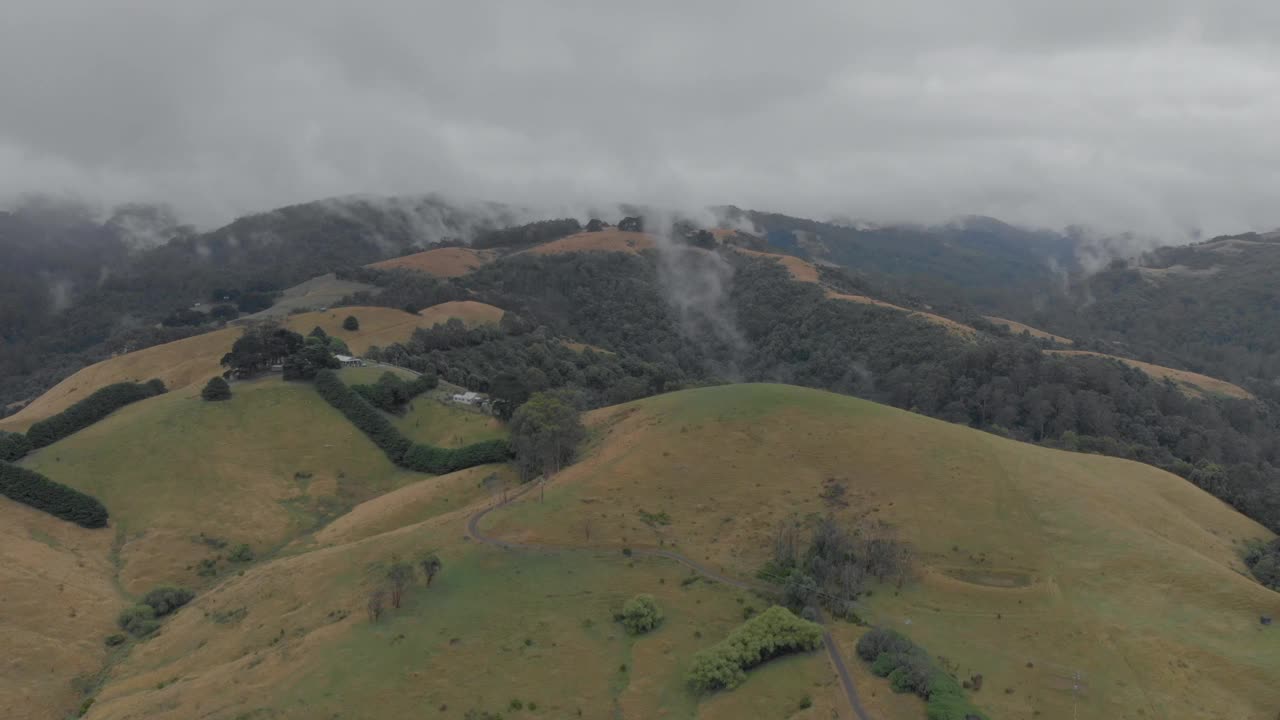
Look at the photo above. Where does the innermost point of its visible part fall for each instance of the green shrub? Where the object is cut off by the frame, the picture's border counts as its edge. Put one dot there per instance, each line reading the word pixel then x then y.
pixel 216 389
pixel 31 488
pixel 774 632
pixel 910 669
pixel 114 640
pixel 242 553
pixel 641 614
pixel 351 324
pixel 99 404
pixel 138 621
pixel 166 599
pixel 13 446
pixel 417 457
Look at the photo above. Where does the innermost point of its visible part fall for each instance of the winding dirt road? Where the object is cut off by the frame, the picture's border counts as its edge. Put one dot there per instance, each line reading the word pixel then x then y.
pixel 833 650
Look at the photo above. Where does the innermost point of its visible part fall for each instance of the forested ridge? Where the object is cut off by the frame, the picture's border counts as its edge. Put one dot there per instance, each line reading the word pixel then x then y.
pixel 791 332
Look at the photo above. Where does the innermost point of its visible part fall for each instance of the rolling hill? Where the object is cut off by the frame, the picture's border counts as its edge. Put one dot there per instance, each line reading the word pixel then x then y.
pixel 194 360
pixel 1030 562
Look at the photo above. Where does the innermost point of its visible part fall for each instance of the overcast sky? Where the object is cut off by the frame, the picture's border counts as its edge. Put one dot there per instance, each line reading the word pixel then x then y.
pixel 1156 115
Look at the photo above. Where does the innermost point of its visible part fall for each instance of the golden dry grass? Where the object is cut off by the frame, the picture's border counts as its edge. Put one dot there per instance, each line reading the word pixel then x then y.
pixel 1191 383
pixel 1025 555
pixel 1017 328
pixel 609 239
pixel 470 312
pixel 178 364
pixel 57 603
pixel 441 262
pixel 799 269
pixel 955 328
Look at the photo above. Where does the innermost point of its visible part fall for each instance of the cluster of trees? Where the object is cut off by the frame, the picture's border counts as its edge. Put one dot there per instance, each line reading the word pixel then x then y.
pixel 529 234
pixel 836 566
pixel 400 577
pixel 399 449
pixel 1263 560
pixel 268 343
pixel 770 634
pixel 31 488
pixel 510 363
pixel 391 393
pixel 143 619
pixel 99 404
pixel 910 669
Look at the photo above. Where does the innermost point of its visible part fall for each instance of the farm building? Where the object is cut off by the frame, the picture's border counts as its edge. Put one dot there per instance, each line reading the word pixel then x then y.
pixel 348 361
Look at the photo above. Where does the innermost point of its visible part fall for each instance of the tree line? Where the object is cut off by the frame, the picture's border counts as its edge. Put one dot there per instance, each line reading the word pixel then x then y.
pixel 400 450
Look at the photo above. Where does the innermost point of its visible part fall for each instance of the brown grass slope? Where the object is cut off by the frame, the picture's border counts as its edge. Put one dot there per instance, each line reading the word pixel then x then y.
pixel 440 262
pixel 609 239
pixel 1017 328
pixel 1029 560
pixel 57 602
pixel 1192 383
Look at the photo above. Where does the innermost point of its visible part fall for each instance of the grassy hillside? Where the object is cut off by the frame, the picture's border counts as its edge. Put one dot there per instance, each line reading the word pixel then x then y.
pixel 1031 562
pixel 272 462
pixel 195 360
pixel 57 599
pixel 178 364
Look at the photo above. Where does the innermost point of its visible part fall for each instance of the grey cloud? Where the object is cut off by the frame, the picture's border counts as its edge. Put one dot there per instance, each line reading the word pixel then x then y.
pixel 1150 116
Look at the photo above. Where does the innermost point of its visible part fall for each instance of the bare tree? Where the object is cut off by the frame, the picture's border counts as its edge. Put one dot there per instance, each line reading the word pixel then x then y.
pixel 400 574
pixel 786 544
pixel 377 601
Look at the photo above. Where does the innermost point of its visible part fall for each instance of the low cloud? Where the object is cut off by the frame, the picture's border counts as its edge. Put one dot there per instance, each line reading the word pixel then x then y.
pixel 1156 118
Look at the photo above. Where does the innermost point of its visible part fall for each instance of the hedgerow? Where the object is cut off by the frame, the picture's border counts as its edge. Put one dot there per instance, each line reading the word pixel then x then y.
pixel 99 404
pixel 910 668
pixel 363 415
pixel 31 488
pixel 13 446
pixel 774 632
pixel 417 457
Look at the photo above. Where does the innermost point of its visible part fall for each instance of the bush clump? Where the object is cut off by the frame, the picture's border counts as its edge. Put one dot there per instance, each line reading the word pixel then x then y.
pixel 13 446
pixel 392 393
pixel 641 614
pixel 98 405
pixel 166 599
pixel 1263 560
pixel 910 668
pixel 772 633
pixel 216 389
pixel 138 621
pixel 31 488
pixel 351 324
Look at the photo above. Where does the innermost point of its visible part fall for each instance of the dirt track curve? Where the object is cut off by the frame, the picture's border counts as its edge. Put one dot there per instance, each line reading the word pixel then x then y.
pixel 833 650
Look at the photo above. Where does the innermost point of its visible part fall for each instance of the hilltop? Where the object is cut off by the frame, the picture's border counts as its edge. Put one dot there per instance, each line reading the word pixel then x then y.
pixel 1029 560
